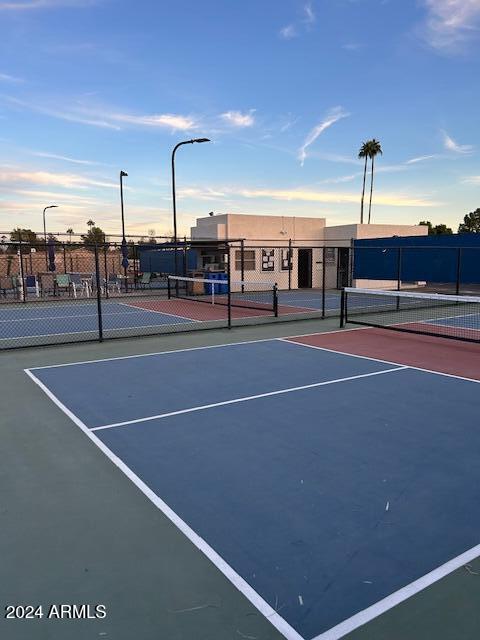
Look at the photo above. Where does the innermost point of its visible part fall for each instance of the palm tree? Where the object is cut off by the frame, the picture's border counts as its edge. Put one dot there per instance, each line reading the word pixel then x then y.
pixel 70 232
pixel 374 148
pixel 363 153
pixel 90 223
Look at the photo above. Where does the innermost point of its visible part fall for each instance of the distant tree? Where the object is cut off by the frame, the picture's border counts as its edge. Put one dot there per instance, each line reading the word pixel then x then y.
pixel 363 153
pixel 27 236
pixel 426 223
pixel 23 235
pixel 374 148
pixel 94 235
pixel 437 230
pixel 90 223
pixel 70 232
pixel 471 222
pixel 442 230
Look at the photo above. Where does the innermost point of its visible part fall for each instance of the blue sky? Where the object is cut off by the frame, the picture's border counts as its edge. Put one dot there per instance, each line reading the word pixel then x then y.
pixel 286 89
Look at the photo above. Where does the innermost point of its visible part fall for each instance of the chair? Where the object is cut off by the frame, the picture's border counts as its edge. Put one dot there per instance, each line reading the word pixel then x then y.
pixel 113 282
pixel 79 284
pixel 8 284
pixel 63 283
pixel 47 283
pixel 31 282
pixel 145 280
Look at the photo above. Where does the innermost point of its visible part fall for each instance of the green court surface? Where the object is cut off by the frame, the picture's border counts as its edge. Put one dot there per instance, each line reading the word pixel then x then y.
pixel 75 530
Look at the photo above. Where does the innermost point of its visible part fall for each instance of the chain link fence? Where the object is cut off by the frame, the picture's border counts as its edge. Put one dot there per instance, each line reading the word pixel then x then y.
pixel 61 292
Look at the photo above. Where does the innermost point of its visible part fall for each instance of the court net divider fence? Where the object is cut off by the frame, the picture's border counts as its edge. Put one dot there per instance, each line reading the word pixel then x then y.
pixel 241 294
pixel 432 314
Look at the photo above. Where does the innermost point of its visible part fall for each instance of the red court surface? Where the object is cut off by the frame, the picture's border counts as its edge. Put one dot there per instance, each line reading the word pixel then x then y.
pixel 425 352
pixel 204 311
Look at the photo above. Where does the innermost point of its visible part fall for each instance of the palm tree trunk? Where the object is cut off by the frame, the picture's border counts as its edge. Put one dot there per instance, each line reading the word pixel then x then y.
pixel 371 191
pixel 363 189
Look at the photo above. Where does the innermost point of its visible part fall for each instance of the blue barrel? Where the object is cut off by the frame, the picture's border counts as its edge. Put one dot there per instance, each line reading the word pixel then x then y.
pixel 223 287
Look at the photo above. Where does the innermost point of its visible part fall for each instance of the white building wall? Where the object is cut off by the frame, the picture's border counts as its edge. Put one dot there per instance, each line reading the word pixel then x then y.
pixel 274 232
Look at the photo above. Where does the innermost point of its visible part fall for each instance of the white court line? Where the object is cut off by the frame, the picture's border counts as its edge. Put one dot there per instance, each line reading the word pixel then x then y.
pixel 209 346
pixel 246 398
pixel 368 614
pixel 256 599
pixel 105 331
pixel 355 355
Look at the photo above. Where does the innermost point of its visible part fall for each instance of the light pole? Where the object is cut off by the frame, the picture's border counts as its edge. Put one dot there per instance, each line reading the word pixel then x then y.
pixel 123 174
pixel 52 206
pixel 173 190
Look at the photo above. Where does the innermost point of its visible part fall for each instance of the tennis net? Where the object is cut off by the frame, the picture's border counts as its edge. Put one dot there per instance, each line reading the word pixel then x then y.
pixel 259 296
pixel 447 316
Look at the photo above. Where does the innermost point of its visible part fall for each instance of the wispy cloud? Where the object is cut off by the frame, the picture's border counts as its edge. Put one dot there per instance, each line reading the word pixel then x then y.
pixel 392 200
pixel 472 180
pixel 352 46
pixel 166 120
pixel 12 177
pixel 54 156
pixel 6 77
pixel 333 116
pixel 450 23
pixel 108 118
pixel 305 22
pixel 25 5
pixel 422 158
pixel 308 13
pixel 288 32
pixel 451 145
pixel 238 118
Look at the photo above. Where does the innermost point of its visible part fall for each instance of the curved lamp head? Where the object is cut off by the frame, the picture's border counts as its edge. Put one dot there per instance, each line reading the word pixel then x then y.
pixel 201 140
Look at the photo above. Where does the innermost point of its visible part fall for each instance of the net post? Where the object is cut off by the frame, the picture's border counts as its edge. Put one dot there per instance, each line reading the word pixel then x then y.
pixel 289 264
pixel 343 308
pixel 324 279
pixel 275 300
pixel 185 255
pixel 99 295
pixel 459 266
pixel 22 275
pixel 135 274
pixel 229 292
pixel 169 293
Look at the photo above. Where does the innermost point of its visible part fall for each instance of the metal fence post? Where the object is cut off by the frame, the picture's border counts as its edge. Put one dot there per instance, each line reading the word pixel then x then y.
pixel 229 286
pixel 324 278
pixel 343 308
pixel 290 260
pixel 64 258
pixel 242 263
pixel 275 300
pixel 22 275
pixel 106 269
pixel 99 296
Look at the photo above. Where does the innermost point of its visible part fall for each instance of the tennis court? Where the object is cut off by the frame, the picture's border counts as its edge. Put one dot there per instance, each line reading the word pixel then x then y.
pixel 67 319
pixel 329 476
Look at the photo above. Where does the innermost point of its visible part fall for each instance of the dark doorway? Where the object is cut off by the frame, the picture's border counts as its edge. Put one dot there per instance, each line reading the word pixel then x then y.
pixel 343 267
pixel 304 268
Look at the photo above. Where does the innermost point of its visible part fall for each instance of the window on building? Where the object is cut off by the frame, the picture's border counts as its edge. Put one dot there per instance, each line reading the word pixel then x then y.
pixel 248 260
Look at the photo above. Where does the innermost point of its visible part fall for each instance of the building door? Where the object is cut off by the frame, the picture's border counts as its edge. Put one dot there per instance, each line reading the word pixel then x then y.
pixel 343 267
pixel 304 268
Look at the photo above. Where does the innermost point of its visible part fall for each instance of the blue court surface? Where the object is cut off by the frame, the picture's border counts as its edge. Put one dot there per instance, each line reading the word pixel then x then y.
pixel 56 318
pixel 326 487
